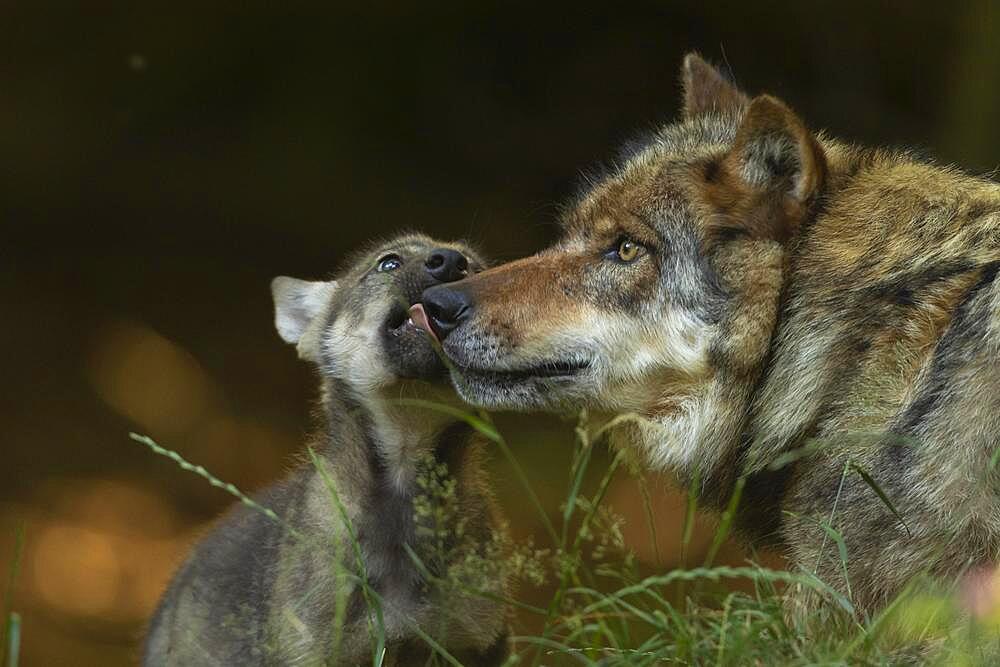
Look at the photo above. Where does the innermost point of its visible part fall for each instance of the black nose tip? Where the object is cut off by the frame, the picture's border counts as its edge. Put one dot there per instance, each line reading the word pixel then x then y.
pixel 446 265
pixel 446 308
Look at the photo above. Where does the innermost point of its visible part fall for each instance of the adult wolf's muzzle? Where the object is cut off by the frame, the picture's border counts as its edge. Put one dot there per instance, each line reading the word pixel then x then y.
pixel 515 348
pixel 446 308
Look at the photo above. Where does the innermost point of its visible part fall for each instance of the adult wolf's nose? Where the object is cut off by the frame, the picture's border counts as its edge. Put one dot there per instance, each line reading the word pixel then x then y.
pixel 446 265
pixel 446 308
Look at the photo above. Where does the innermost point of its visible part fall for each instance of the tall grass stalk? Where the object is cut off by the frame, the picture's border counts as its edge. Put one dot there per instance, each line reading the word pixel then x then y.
pixel 10 621
pixel 605 613
pixel 13 642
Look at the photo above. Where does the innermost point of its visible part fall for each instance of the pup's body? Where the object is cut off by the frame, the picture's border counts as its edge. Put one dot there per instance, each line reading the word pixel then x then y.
pixel 258 592
pixel 750 288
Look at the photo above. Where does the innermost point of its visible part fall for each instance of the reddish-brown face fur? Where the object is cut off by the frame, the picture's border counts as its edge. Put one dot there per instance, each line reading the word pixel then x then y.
pixel 706 196
pixel 575 303
pixel 529 295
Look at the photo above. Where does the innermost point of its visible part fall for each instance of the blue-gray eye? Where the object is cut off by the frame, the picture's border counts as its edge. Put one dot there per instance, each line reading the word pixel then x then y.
pixel 389 263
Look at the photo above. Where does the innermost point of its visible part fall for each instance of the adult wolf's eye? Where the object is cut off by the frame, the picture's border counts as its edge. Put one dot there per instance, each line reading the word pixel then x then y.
pixel 628 251
pixel 389 263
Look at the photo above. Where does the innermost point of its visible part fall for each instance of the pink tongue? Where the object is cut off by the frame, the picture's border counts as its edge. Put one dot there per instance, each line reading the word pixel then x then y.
pixel 419 318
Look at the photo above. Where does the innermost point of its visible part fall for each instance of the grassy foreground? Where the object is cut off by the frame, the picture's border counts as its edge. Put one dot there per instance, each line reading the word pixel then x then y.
pixel 606 609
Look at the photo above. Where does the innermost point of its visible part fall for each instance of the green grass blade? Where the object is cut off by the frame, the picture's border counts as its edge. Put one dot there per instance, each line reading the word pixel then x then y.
pixel 231 489
pixel 484 426
pixel 556 648
pixel 481 425
pixel 868 634
pixel 8 615
pixel 440 650
pixel 529 490
pixel 647 510
pixel 994 459
pixel 838 539
pixel 716 574
pixel 723 626
pixel 13 639
pixel 882 496
pixel 725 524
pixel 371 597
pixel 808 449
pixel 690 512
pixel 580 469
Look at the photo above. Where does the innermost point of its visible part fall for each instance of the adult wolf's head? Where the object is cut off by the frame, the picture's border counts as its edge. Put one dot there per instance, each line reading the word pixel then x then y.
pixel 357 327
pixel 668 273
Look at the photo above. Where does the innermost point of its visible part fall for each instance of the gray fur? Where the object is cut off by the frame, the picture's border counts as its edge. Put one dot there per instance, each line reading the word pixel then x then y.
pixel 258 592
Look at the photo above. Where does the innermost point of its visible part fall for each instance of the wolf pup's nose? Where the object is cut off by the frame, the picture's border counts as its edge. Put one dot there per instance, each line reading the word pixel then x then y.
pixel 447 265
pixel 446 308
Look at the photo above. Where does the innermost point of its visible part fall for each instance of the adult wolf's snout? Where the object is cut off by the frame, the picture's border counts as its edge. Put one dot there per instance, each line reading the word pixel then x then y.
pixel 446 307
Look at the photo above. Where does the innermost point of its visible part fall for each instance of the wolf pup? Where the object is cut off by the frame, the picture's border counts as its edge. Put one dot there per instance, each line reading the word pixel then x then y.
pixel 751 288
pixel 258 591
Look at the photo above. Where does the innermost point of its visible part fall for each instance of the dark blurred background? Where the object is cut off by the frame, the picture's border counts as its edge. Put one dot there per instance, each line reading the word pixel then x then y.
pixel 159 163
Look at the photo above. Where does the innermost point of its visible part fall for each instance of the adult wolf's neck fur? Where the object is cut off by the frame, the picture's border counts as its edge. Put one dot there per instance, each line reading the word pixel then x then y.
pixel 847 314
pixel 875 281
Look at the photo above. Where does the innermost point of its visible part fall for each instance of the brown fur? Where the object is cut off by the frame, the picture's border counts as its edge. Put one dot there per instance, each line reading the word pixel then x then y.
pixel 793 291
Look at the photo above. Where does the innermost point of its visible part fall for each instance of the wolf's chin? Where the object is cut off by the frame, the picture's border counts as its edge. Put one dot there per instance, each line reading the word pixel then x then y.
pixel 495 392
pixel 493 398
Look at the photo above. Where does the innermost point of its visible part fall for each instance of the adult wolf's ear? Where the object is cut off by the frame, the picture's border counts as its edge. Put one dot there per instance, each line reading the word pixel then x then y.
pixel 775 151
pixel 767 182
pixel 707 90
pixel 296 305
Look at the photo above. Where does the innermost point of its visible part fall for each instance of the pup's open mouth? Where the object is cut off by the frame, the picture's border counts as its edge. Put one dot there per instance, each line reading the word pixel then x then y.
pixel 399 321
pixel 418 318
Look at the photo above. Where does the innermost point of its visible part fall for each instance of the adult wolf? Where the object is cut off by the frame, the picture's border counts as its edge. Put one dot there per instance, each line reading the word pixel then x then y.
pixel 751 288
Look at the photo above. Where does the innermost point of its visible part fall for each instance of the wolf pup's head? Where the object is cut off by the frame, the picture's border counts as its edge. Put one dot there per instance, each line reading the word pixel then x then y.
pixel 357 328
pixel 667 276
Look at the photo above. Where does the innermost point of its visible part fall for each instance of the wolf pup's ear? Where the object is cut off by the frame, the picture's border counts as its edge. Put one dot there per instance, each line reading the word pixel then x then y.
pixel 296 304
pixel 707 90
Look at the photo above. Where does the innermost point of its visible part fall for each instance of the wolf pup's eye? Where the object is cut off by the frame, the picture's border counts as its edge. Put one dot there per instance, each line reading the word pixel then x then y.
pixel 628 251
pixel 389 263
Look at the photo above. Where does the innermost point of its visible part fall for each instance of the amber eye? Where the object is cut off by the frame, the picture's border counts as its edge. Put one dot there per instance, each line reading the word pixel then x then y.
pixel 628 251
